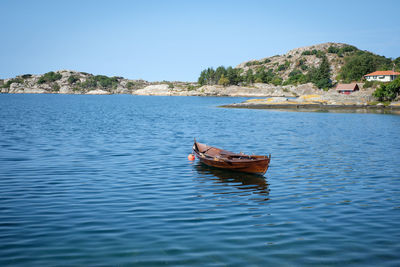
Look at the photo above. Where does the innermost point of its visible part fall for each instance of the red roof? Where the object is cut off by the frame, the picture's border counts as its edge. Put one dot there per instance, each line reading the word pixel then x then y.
pixel 383 72
pixel 347 86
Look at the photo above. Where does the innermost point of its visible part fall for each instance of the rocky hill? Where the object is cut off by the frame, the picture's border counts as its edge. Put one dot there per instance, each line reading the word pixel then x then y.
pixel 301 59
pixel 300 71
pixel 74 82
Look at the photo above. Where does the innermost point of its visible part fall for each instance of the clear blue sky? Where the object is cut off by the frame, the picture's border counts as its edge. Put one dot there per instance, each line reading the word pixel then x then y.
pixel 175 40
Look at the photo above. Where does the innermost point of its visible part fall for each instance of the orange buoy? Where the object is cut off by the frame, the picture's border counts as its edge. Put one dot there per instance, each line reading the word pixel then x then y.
pixel 191 157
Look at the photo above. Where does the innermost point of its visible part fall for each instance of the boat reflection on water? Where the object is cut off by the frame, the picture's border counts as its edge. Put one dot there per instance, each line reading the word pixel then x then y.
pixel 245 181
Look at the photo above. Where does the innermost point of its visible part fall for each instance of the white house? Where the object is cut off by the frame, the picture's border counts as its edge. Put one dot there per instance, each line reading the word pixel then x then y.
pixel 382 76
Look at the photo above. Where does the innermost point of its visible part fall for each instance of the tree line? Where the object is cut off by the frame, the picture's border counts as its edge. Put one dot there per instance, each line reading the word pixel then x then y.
pixel 361 63
pixel 388 91
pixel 221 75
pixel 356 64
pixel 320 76
pixel 232 76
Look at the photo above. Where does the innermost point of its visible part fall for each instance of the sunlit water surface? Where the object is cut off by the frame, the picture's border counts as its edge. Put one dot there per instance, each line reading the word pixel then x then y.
pixel 105 180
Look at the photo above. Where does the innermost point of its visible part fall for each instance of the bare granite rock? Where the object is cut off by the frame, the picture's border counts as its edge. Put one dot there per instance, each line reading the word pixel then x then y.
pixel 65 90
pixel 98 92
pixel 159 89
pixel 395 104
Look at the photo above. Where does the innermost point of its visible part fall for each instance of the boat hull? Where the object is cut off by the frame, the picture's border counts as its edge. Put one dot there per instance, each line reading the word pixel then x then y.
pixel 223 159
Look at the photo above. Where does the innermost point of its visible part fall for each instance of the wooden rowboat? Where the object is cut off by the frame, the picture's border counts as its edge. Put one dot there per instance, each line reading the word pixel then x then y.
pixel 220 158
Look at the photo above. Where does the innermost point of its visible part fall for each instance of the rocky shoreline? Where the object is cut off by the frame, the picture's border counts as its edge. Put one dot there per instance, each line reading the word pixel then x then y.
pixel 317 107
pixel 73 82
pixel 327 102
pixel 305 96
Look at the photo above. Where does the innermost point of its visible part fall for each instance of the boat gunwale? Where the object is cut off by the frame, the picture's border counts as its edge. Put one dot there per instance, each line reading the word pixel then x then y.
pixel 258 158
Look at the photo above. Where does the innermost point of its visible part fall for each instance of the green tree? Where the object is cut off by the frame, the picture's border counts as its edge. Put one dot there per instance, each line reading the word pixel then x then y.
pixel 294 73
pixel 233 75
pixel 277 81
pixel 281 67
pixel 9 82
pixel 26 76
pixel 372 84
pixel 90 83
pixel 218 73
pixel 361 63
pixel 210 76
pixel 268 76
pixel 73 79
pixel 223 80
pixel 202 80
pixel 284 66
pixel 333 50
pixel 55 87
pixel 320 76
pixel 130 85
pixel 249 76
pixel 389 91
pixel 103 81
pixel 397 63
pixel 356 67
pixel 49 77
pixel 260 72
pixel 348 48
pixel 296 77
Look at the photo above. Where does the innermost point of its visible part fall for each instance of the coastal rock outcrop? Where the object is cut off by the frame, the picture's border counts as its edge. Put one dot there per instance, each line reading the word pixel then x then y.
pixel 73 82
pixel 282 75
pixel 158 89
pixel 98 92
pixel 320 100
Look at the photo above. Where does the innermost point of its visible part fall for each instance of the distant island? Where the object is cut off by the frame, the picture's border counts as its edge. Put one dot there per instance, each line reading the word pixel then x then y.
pixel 311 74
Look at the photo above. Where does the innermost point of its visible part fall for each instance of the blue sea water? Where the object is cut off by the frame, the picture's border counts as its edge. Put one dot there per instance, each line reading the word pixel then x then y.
pixel 105 180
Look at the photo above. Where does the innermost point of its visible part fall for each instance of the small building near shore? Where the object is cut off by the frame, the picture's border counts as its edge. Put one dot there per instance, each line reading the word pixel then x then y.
pixel 347 88
pixel 382 76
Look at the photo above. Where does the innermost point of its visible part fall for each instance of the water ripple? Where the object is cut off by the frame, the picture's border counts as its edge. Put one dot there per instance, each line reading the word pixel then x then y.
pixel 104 180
